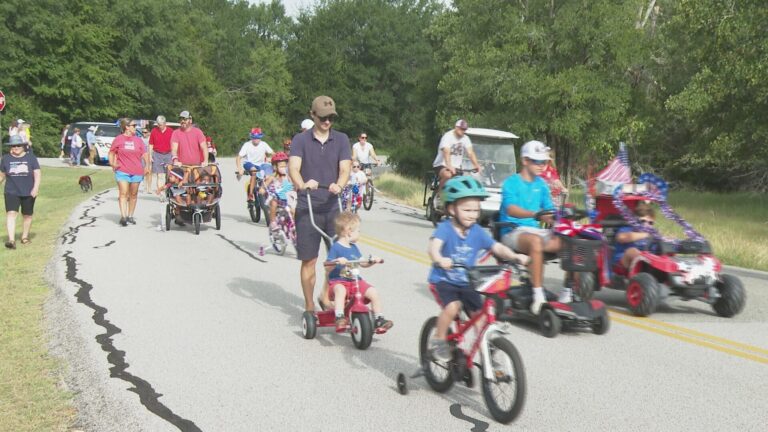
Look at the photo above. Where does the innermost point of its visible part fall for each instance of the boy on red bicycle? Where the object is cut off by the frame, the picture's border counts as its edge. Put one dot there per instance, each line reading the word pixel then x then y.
pixel 459 240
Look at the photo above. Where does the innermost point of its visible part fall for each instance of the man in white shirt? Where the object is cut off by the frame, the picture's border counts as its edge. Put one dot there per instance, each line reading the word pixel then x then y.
pixel 454 145
pixel 255 153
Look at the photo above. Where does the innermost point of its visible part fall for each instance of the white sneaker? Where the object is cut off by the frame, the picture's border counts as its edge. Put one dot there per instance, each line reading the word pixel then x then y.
pixel 565 296
pixel 537 304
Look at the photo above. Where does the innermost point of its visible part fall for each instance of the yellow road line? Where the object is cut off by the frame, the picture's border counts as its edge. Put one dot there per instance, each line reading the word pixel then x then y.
pixel 684 334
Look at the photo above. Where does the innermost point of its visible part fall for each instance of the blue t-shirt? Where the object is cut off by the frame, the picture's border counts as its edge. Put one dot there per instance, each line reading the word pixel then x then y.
pixel 620 248
pixel 338 250
pixel 461 250
pixel 532 196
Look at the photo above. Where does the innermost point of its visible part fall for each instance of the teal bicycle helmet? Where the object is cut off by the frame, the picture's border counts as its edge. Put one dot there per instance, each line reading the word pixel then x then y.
pixel 463 187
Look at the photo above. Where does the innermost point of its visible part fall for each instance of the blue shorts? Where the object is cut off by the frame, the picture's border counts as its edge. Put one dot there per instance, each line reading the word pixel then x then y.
pixel 248 166
pixel 449 293
pixel 130 178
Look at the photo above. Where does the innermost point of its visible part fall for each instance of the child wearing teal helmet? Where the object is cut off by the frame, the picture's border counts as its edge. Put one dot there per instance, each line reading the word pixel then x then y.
pixel 460 240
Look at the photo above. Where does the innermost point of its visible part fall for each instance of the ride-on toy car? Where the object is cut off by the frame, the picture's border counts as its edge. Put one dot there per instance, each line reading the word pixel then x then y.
pixel 670 267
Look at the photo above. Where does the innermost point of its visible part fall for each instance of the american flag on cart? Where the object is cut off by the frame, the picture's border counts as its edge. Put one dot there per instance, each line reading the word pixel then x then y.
pixel 618 170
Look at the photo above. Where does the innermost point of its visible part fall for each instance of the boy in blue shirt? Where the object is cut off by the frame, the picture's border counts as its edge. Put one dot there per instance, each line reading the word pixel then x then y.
pixel 341 282
pixel 522 196
pixel 460 240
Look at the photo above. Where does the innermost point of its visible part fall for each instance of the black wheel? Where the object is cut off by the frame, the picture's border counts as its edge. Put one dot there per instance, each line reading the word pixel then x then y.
pixel 264 209
pixel 308 325
pixel 402 385
pixel 602 323
pixel 362 330
pixel 368 198
pixel 549 323
pixel 437 374
pixel 585 288
pixel 196 221
pixel 732 296
pixel 255 212
pixel 279 243
pixel 168 216
pixel 504 392
pixel 217 214
pixel 643 294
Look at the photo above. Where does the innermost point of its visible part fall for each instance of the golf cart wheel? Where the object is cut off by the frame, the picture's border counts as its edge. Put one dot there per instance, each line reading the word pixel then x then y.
pixel 402 384
pixel 549 323
pixel 732 296
pixel 504 392
pixel 602 323
pixel 196 221
pixel 643 294
pixel 217 214
pixel 585 288
pixel 308 325
pixel 362 330
pixel 168 216
pixel 368 198
pixel 437 374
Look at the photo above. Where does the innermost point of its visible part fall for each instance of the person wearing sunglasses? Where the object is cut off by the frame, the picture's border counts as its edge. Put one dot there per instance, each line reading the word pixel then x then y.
pixel 363 153
pixel 188 144
pixel 320 155
pixel 629 240
pixel 522 196
pixel 129 158
pixel 20 171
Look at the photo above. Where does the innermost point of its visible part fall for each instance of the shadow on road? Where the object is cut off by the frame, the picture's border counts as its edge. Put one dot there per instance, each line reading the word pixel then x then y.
pixel 269 295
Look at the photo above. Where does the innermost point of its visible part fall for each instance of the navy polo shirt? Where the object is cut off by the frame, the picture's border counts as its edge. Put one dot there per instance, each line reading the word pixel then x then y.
pixel 320 162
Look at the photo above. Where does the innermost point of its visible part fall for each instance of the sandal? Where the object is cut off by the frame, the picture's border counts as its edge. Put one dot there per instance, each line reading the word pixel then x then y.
pixel 10 244
pixel 25 240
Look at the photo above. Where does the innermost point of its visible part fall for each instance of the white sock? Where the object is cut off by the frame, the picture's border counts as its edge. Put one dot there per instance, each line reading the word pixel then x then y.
pixel 538 293
pixel 339 314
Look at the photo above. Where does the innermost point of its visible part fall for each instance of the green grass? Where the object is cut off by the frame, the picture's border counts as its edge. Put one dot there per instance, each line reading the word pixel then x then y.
pixel 30 397
pixel 736 224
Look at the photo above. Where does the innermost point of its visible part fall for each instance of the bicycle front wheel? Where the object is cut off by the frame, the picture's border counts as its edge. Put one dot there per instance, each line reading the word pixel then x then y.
pixel 504 392
pixel 368 197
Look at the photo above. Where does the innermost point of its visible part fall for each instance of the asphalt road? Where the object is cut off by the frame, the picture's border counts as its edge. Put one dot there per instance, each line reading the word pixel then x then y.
pixel 172 331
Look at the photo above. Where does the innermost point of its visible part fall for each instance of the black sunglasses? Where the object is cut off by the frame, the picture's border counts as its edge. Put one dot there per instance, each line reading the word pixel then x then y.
pixel 330 118
pixel 646 221
pixel 132 125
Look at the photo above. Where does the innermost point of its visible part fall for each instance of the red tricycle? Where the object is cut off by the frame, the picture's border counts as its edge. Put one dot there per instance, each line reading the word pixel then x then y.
pixel 683 268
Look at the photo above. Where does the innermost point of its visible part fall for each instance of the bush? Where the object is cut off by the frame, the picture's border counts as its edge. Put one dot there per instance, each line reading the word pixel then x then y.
pixel 411 160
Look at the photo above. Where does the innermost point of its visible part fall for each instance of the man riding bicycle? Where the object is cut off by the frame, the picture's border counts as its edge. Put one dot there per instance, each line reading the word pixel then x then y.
pixel 255 153
pixel 450 153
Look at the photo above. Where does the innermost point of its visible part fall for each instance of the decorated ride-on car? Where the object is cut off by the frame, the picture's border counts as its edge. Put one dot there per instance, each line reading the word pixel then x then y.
pixel 495 151
pixel 684 268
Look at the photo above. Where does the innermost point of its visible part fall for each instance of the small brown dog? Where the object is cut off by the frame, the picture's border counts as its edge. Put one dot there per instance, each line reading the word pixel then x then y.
pixel 85 183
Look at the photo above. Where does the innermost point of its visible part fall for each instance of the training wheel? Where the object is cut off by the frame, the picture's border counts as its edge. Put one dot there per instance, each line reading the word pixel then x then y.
pixel 402 386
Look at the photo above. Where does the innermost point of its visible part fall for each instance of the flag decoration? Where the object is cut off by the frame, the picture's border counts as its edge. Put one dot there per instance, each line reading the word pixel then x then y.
pixel 618 170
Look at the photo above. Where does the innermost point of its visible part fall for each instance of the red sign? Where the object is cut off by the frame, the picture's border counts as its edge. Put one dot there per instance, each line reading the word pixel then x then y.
pixel 2 100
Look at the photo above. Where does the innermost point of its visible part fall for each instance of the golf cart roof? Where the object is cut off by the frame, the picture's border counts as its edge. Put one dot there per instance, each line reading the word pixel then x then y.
pixel 491 133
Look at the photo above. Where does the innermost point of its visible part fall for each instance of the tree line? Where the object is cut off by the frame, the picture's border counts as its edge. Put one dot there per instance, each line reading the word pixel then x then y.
pixel 682 82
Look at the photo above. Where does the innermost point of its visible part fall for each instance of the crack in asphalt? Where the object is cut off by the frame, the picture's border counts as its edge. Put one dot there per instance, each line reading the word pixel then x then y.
pixel 147 394
pixel 479 426
pixel 238 247
pixel 108 244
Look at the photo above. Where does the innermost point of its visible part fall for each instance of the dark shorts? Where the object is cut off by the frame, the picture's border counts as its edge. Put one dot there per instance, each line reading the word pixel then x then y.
pixel 448 293
pixel 13 202
pixel 307 237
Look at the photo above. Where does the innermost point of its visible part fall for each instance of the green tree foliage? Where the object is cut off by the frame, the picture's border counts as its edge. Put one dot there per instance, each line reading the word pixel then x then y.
pixel 374 58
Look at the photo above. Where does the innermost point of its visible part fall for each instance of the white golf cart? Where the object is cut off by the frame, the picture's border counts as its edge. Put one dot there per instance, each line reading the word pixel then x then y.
pixel 495 152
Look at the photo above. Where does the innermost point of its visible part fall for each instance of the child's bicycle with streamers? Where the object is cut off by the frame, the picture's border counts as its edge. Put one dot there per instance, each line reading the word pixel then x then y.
pixel 501 368
pixel 286 228
pixel 351 198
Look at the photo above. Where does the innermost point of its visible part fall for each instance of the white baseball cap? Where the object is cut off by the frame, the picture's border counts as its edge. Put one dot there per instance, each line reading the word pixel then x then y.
pixel 535 150
pixel 307 124
pixel 93 128
pixel 20 121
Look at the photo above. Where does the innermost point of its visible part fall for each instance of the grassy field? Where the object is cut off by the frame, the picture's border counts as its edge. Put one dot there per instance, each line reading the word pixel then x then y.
pixel 30 397
pixel 736 224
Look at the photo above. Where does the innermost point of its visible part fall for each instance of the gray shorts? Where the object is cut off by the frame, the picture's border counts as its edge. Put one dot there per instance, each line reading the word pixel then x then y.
pixel 159 160
pixel 307 237
pixel 511 239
